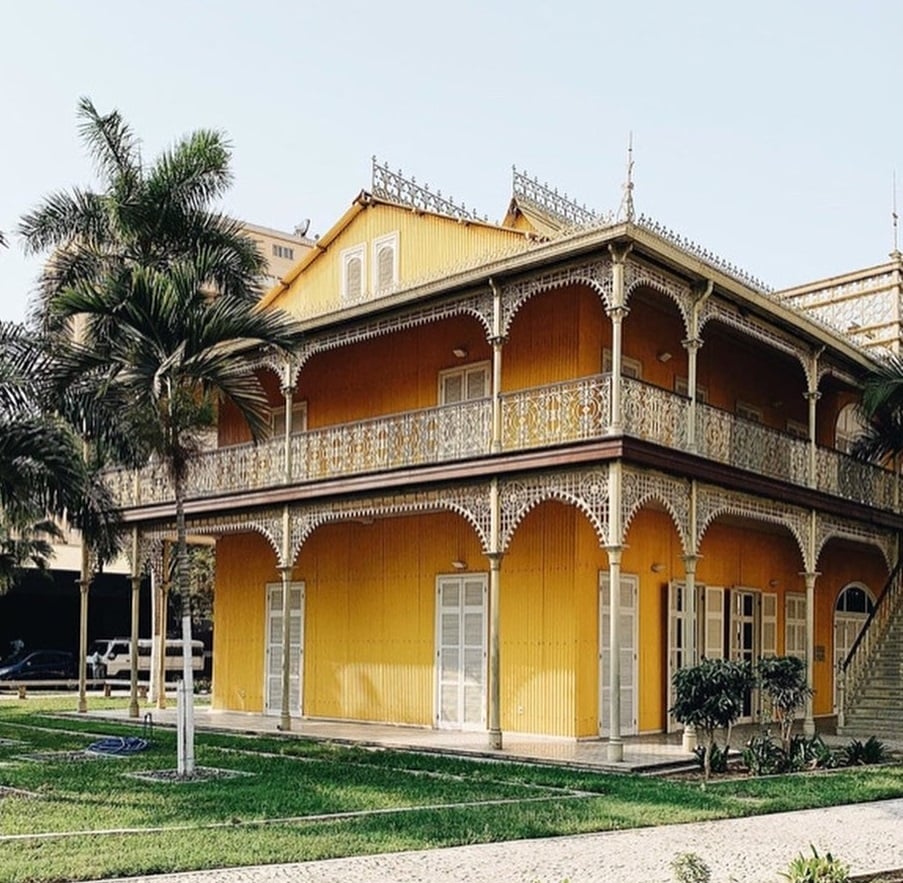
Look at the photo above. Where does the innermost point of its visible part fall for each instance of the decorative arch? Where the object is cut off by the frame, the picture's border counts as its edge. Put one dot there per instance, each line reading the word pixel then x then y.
pixel 637 274
pixel 713 501
pixel 639 488
pixel 478 305
pixel 837 528
pixel 595 274
pixel 586 490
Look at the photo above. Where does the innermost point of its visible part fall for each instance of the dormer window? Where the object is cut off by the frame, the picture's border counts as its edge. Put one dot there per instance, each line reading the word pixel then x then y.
pixel 385 262
pixel 353 273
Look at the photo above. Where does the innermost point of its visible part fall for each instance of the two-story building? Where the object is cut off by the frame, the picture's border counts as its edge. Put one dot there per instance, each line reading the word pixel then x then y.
pixel 521 472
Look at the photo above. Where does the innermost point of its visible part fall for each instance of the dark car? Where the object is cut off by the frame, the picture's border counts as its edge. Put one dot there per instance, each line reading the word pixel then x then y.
pixel 38 665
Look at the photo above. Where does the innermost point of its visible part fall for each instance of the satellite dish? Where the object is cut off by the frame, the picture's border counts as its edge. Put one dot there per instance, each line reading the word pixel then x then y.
pixel 302 228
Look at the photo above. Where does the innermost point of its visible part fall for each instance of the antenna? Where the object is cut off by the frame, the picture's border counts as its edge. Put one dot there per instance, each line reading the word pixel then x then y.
pixel 894 216
pixel 626 212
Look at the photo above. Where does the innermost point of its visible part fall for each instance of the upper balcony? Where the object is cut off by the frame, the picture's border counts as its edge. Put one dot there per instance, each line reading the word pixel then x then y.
pixel 557 414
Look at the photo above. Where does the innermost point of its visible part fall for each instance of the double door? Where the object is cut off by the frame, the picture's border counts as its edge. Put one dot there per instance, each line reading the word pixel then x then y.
pixel 274 645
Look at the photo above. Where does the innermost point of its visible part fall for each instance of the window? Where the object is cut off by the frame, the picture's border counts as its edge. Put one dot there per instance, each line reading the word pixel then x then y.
pixel 464 384
pixel 629 367
pixel 681 387
pixel 299 419
pixel 848 428
pixel 283 251
pixel 353 273
pixel 749 412
pixel 385 262
pixel 795 625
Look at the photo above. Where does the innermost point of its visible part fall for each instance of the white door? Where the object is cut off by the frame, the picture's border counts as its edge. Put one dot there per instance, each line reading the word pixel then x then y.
pixel 854 604
pixel 713 618
pixel 744 635
pixel 680 631
pixel 461 651
pixel 628 653
pixel 273 687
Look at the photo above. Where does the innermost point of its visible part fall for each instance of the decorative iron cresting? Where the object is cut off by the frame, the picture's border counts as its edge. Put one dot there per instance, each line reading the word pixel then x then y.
pixel 549 201
pixel 395 187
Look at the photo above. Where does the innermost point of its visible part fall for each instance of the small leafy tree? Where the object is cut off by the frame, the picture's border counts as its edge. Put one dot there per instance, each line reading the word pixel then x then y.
pixel 783 683
pixel 709 697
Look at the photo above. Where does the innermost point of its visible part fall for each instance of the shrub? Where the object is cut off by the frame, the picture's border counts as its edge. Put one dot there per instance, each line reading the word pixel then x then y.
pixel 859 753
pixel 717 758
pixel 783 683
pixel 709 697
pixel 688 867
pixel 817 869
pixel 763 756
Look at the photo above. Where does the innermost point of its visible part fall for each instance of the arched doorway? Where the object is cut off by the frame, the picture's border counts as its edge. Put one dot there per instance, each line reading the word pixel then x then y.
pixel 852 609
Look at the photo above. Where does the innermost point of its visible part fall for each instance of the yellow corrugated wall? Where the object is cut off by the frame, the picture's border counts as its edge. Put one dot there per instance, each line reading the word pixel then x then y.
pixel 370 640
pixel 427 245
pixel 245 563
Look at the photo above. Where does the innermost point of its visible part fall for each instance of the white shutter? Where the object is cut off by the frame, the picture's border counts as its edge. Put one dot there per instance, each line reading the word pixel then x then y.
pixel 627 654
pixel 274 648
pixel 769 624
pixel 795 625
pixel 452 389
pixel 476 383
pixel 713 639
pixel 461 652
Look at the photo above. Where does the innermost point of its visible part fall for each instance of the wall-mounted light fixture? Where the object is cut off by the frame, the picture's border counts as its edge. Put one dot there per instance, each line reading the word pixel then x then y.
pixel 657 567
pixel 459 352
pixel 772 583
pixel 663 356
pixel 458 564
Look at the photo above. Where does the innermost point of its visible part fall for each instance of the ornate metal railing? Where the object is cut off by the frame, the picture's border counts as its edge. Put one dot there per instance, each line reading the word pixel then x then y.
pixel 560 412
pixel 431 435
pixel 854 669
pixel 847 477
pixel 748 445
pixel 654 414
pixel 548 415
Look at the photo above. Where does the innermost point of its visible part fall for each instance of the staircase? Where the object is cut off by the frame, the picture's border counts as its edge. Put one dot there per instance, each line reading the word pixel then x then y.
pixel 872 674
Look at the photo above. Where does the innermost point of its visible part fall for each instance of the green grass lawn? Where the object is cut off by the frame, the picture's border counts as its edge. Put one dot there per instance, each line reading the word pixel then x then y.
pixel 300 800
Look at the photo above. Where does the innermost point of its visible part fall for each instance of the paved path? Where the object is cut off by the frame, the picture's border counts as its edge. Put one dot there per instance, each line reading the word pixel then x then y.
pixel 868 836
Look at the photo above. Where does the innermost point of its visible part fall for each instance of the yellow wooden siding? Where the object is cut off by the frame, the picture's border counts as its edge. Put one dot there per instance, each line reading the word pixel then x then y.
pixel 370 612
pixel 245 563
pixel 555 336
pixel 388 375
pixel 427 245
pixel 549 629
pixel 370 640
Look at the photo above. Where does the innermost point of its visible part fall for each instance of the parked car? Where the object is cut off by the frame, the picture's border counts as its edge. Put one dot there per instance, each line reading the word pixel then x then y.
pixel 38 665
pixel 112 657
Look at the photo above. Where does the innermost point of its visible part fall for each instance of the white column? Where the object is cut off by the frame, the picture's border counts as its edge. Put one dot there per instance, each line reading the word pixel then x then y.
pixel 615 742
pixel 496 445
pixel 809 720
pixel 812 396
pixel 617 312
pixel 691 345
pixel 690 648
pixel 136 594
pixel 285 570
pixel 495 564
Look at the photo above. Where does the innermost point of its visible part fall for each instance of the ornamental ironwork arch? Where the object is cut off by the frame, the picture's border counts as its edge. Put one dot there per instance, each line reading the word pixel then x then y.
pixel 595 275
pixel 713 502
pixel 639 488
pixel 836 529
pixel 586 490
pixel 637 274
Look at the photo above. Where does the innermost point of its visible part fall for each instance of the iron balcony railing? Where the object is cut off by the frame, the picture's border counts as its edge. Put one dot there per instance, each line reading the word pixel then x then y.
pixel 543 416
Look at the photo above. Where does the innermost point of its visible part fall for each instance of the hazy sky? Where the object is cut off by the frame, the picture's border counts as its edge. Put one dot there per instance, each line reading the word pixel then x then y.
pixel 767 131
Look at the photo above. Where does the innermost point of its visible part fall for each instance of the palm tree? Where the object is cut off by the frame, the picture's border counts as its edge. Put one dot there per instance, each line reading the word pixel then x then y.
pixel 41 470
pixel 882 413
pixel 162 291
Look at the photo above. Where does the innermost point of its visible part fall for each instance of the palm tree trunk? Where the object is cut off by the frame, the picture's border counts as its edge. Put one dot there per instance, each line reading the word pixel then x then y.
pixel 186 714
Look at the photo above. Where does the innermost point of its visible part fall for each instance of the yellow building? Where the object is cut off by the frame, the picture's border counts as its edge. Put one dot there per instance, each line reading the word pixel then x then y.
pixel 490 425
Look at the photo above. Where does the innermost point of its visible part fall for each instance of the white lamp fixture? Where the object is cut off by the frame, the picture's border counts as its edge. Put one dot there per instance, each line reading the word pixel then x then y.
pixel 657 567
pixel 664 356
pixel 459 352
pixel 458 564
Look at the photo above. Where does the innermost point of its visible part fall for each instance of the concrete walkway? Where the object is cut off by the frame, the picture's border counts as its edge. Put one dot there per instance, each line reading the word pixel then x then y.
pixel 869 837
